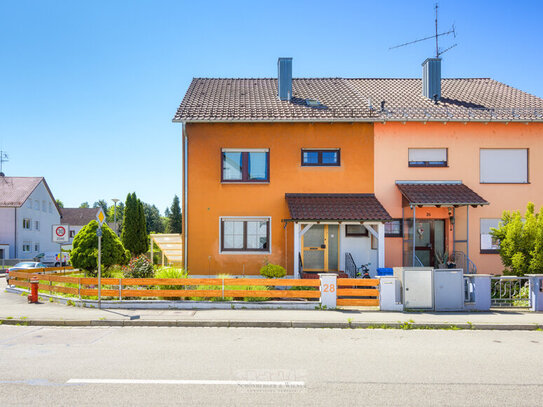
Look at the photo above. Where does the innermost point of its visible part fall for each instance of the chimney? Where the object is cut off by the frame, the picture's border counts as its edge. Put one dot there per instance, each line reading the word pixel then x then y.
pixel 431 78
pixel 284 78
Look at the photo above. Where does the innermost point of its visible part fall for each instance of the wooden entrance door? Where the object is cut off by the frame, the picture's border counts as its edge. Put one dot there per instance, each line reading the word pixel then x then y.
pixel 320 248
pixel 429 240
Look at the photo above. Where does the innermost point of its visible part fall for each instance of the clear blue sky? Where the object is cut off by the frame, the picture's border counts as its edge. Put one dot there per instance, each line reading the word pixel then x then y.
pixel 88 88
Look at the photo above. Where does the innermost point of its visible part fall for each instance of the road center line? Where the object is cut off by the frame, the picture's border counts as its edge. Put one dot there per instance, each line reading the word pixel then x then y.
pixel 190 382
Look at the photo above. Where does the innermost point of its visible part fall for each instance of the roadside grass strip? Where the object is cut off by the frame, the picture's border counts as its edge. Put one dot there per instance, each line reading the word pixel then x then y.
pixel 280 383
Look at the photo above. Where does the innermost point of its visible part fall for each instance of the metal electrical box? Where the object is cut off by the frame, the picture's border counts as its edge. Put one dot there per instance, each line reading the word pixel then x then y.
pixel 449 289
pixel 418 288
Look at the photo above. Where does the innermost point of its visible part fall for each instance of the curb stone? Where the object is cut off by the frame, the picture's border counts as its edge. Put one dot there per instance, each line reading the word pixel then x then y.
pixel 267 324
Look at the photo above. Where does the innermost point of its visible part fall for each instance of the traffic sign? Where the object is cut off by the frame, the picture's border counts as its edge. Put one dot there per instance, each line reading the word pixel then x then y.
pixel 61 234
pixel 101 216
pixel 99 232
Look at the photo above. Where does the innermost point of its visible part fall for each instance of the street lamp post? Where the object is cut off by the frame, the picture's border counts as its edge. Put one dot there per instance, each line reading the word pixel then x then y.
pixel 115 200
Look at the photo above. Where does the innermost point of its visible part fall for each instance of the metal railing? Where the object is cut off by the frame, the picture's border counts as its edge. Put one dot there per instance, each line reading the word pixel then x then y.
pixel 463 262
pixel 350 266
pixel 510 292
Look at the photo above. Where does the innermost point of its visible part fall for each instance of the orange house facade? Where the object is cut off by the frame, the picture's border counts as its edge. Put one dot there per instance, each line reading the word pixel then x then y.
pixel 354 176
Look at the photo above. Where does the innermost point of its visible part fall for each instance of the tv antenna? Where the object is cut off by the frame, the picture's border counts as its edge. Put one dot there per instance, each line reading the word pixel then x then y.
pixel 436 36
pixel 3 159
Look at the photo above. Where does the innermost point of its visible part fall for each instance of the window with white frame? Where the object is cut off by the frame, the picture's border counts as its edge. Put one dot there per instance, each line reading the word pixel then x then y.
pixel 72 234
pixel 27 224
pixel 36 247
pixel 489 244
pixel 503 165
pixel 27 246
pixel 393 228
pixel 245 235
pixel 37 205
pixel 427 157
pixel 37 225
pixel 44 206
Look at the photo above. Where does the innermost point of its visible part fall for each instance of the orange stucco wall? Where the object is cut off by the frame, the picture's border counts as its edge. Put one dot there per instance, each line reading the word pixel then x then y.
pixel 392 141
pixel 209 199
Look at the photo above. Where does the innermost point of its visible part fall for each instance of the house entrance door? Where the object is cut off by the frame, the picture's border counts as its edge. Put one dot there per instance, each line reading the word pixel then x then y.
pixel 320 248
pixel 430 241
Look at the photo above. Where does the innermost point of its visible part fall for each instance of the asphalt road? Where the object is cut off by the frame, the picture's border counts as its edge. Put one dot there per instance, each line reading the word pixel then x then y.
pixel 243 366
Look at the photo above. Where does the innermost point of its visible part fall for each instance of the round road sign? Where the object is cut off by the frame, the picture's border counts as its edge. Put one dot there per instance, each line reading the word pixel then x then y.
pixel 60 231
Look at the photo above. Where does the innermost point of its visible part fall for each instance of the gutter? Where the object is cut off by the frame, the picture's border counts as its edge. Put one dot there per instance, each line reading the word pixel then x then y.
pixel 351 120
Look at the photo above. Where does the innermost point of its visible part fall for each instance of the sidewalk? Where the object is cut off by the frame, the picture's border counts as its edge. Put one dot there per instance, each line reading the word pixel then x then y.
pixel 14 309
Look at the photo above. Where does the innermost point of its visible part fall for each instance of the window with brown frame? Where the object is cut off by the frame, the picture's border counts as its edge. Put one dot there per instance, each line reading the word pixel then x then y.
pixel 394 228
pixel 321 158
pixel 245 235
pixel 245 166
pixel 428 157
pixel 355 231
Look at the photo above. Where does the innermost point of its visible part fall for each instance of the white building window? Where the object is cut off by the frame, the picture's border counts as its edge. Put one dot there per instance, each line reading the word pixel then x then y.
pixel 488 243
pixel 72 234
pixel 27 224
pixel 27 247
pixel 50 207
pixel 37 205
pixel 44 206
pixel 504 165
pixel 245 235
pixel 37 225
pixel 36 247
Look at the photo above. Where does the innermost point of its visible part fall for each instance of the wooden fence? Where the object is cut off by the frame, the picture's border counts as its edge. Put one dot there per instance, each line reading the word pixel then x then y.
pixel 350 292
pixel 357 292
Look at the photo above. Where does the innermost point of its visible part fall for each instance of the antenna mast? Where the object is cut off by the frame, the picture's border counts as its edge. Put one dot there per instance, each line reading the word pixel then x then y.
pixel 3 159
pixel 436 36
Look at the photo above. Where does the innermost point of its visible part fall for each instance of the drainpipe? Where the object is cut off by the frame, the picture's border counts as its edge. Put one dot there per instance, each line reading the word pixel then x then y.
pixel 467 237
pixel 185 193
pixel 414 232
pixel 15 217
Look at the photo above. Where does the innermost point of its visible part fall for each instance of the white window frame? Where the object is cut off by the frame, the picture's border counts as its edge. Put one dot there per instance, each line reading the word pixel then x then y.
pixel 37 225
pixel 28 246
pixel 37 247
pixel 43 206
pixel 485 179
pixel 246 218
pixel 27 221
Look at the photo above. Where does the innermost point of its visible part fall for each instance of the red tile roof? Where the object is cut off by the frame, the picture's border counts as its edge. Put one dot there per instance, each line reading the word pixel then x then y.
pixel 340 207
pixel 14 191
pixel 439 193
pixel 78 216
pixel 351 99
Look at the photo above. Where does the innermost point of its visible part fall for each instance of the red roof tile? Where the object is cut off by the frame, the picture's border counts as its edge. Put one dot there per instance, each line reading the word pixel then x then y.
pixel 353 99
pixel 439 193
pixel 341 207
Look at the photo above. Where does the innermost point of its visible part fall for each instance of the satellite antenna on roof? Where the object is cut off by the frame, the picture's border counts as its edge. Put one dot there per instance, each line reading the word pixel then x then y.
pixel 3 159
pixel 436 36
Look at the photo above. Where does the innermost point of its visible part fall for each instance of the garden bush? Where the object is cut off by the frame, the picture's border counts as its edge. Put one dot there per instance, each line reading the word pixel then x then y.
pixel 171 273
pixel 230 288
pixel 273 271
pixel 140 267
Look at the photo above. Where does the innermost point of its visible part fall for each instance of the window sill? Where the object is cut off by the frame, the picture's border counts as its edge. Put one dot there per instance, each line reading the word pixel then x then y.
pixel 505 183
pixel 428 166
pixel 245 182
pixel 489 251
pixel 263 253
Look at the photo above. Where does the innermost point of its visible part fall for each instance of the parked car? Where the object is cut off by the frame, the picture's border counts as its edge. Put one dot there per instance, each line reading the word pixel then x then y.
pixel 24 265
pixel 54 259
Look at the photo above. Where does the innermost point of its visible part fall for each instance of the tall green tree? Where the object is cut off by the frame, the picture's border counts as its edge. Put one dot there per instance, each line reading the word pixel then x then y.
pixel 60 203
pixel 175 218
pixel 153 221
pixel 84 205
pixel 101 204
pixel 521 241
pixel 134 234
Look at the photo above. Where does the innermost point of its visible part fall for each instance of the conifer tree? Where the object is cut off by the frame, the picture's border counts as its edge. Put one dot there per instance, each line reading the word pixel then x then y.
pixel 175 218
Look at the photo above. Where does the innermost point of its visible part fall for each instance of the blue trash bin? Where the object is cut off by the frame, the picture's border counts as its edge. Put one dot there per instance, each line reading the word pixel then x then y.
pixel 385 271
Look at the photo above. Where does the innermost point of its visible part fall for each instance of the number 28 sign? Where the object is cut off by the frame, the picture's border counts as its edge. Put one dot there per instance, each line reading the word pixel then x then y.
pixel 60 234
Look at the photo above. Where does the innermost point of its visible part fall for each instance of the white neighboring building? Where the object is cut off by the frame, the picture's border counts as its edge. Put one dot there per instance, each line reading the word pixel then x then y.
pixel 28 212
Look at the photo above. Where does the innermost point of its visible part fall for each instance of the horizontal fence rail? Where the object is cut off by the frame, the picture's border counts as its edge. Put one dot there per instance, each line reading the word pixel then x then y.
pixel 357 292
pixel 182 288
pixel 510 291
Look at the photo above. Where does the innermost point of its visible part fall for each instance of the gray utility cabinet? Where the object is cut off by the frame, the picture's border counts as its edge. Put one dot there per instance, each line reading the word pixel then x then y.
pixel 417 283
pixel 449 289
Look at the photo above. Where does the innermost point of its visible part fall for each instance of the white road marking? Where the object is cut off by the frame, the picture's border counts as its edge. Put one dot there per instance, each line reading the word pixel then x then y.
pixel 193 382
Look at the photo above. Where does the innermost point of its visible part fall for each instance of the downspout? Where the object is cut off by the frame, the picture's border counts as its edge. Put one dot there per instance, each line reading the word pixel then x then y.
pixel 185 192
pixel 15 217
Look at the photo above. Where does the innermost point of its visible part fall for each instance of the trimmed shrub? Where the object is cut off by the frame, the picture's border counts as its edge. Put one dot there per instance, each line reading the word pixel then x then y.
pixel 140 267
pixel 273 271
pixel 171 273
